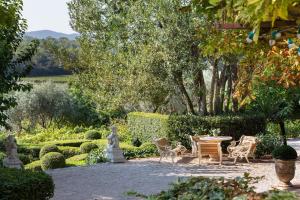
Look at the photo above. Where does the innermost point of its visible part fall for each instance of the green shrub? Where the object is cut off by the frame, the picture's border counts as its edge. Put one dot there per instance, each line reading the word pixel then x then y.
pixel 53 160
pixel 69 143
pixel 267 143
pixel 87 147
pixel 92 135
pixel 34 151
pixel 2 156
pixel 96 156
pixel 123 131
pixel 144 151
pixel 78 160
pixel 136 142
pixel 47 149
pixel 22 184
pixel 292 128
pixel 69 151
pixel 34 166
pixel 205 188
pixel 230 125
pixel 285 152
pixel 25 158
pixel 146 126
pixel 79 129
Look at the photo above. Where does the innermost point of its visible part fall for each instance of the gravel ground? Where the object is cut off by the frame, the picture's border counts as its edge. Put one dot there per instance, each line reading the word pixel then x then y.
pixel 112 181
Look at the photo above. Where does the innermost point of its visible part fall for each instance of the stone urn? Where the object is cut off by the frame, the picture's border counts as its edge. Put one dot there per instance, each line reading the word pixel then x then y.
pixel 285 165
pixel 285 171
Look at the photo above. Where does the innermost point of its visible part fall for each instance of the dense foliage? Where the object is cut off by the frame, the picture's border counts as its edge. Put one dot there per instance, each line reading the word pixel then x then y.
pixel 267 143
pixel 47 149
pixel 20 185
pixel 285 152
pixel 87 147
pixel 147 126
pixel 52 104
pixel 180 126
pixel 92 135
pixel 13 61
pixel 53 160
pixel 217 188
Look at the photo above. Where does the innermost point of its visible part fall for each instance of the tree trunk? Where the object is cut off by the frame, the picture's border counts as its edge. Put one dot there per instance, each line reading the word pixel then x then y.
pixel 223 79
pixel 217 98
pixel 235 103
pixel 212 86
pixel 283 133
pixel 179 82
pixel 201 92
pixel 229 91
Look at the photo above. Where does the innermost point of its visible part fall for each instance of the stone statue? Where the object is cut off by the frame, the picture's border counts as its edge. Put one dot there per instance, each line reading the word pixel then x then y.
pixel 12 160
pixel 113 152
pixel 113 139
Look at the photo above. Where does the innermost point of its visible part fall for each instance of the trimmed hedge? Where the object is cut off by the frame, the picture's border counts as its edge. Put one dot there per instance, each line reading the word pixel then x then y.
pixel 25 149
pixel 69 151
pixel 146 126
pixel 34 166
pixel 22 184
pixel 47 149
pixel 87 147
pixel 53 160
pixel 69 143
pixel 230 125
pixel 92 135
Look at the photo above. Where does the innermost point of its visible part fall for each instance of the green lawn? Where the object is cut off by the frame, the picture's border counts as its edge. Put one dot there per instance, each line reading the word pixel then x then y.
pixel 57 79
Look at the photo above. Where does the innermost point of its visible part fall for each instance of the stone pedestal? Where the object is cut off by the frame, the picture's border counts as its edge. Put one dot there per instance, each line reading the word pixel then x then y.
pixel 115 155
pixel 12 163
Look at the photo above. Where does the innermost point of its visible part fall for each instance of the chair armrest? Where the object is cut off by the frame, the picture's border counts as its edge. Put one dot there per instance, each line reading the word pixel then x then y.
pixel 233 143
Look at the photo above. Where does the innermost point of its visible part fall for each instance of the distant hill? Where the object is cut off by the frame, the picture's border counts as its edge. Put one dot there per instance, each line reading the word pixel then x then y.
pixel 43 34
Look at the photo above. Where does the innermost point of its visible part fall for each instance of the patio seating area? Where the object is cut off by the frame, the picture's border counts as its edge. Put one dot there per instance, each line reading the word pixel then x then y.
pixel 209 148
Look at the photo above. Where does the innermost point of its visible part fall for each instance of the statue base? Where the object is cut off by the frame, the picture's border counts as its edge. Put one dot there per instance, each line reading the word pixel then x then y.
pixel 12 163
pixel 115 155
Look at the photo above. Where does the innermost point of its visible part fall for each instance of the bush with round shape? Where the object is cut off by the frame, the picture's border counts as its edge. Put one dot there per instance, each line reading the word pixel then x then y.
pixel 24 184
pixel 53 160
pixel 87 147
pixel 47 149
pixel 92 135
pixel 25 158
pixel 285 152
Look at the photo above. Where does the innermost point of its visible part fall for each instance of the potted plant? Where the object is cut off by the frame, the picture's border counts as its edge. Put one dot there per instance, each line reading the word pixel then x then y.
pixel 285 158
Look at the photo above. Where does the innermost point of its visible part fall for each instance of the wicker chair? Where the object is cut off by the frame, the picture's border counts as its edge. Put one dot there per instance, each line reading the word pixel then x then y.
pixel 244 148
pixel 164 149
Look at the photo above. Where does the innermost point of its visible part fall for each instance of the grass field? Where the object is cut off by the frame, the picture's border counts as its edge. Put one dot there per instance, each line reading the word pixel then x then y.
pixel 56 79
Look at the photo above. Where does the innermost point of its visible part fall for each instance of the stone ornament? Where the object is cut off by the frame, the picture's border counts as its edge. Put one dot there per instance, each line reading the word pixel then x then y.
pixel 12 160
pixel 113 152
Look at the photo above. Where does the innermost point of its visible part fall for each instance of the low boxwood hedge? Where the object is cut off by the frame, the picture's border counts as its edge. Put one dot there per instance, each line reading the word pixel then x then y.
pixel 92 135
pixel 87 147
pixel 69 151
pixel 34 166
pixel 47 149
pixel 53 160
pixel 33 150
pixel 25 185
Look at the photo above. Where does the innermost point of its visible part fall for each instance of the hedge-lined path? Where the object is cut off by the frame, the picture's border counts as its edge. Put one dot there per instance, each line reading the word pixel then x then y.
pixel 111 181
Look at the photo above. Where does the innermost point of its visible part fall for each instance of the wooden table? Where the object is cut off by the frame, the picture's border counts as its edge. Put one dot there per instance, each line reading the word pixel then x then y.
pixel 214 151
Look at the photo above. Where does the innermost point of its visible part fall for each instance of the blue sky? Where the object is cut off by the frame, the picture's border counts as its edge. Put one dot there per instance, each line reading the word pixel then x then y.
pixel 47 14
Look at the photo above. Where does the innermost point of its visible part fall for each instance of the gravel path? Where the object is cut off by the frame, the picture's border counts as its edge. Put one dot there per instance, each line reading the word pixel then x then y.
pixel 112 181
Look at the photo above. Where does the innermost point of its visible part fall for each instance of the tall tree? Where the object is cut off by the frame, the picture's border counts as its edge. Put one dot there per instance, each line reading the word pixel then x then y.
pixel 13 61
